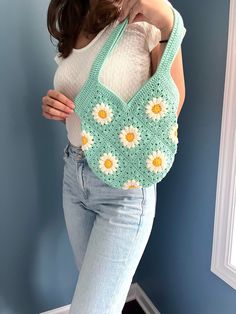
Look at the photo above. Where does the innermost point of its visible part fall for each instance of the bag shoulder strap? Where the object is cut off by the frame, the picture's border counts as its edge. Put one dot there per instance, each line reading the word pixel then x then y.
pixel 167 58
pixel 108 46
pixel 173 44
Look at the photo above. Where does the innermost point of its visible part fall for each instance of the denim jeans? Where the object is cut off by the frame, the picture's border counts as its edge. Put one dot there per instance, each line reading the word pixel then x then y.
pixel 108 229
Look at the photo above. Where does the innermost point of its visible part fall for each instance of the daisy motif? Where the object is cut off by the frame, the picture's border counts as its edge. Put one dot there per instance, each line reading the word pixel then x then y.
pixel 156 161
pixel 130 136
pixel 173 134
pixel 102 113
pixel 87 140
pixel 131 184
pixel 156 108
pixel 108 163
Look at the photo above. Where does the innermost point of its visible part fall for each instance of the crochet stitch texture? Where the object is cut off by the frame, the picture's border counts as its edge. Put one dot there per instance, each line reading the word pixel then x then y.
pixel 131 144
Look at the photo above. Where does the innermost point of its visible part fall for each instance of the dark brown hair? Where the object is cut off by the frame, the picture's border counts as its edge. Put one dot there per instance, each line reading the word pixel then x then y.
pixel 65 19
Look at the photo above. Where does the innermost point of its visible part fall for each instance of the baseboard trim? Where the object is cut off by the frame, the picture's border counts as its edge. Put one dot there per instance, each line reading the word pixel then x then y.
pixel 59 310
pixel 135 292
pixel 142 298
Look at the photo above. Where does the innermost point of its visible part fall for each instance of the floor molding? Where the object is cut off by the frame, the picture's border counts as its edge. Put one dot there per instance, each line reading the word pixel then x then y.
pixel 135 292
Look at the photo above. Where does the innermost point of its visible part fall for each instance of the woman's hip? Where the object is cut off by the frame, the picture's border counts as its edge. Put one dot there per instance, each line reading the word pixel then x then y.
pixel 101 197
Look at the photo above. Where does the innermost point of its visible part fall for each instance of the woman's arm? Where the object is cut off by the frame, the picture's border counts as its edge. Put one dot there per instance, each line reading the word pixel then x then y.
pixel 177 71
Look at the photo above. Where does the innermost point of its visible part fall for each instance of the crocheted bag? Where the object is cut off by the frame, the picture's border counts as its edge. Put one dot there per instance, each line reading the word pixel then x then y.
pixel 131 144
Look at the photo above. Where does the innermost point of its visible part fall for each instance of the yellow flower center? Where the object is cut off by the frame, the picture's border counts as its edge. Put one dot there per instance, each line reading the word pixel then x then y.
pixel 156 108
pixel 84 140
pixel 176 133
pixel 108 163
pixel 132 187
pixel 130 137
pixel 157 162
pixel 102 114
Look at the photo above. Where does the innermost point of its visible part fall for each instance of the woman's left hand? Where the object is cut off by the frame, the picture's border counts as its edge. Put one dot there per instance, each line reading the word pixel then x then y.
pixel 156 12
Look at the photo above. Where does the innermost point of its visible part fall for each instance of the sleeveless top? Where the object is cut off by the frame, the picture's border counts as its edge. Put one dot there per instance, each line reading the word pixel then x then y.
pixel 122 72
pixel 131 144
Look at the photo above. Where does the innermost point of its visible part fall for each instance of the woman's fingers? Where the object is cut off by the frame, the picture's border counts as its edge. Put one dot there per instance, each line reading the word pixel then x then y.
pixel 56 106
pixel 54 112
pixel 48 116
pixel 126 7
pixel 61 98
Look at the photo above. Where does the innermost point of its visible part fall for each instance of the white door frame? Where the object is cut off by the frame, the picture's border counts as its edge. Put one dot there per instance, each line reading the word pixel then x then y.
pixel 225 207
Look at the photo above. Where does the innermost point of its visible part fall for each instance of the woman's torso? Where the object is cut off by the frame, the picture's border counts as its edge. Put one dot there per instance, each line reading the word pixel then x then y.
pixel 124 71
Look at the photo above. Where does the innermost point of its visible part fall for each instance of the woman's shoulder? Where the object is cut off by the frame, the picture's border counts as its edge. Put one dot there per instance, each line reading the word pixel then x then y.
pixel 149 32
pixel 57 58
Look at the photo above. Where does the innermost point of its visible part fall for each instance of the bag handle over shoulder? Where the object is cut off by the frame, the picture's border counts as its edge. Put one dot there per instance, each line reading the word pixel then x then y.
pixel 177 34
pixel 167 58
pixel 108 46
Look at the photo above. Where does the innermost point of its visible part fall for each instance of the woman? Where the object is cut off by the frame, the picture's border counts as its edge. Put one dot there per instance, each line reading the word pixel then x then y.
pixel 108 228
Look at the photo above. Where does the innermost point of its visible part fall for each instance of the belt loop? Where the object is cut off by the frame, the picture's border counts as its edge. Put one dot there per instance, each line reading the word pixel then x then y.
pixel 80 154
pixel 66 148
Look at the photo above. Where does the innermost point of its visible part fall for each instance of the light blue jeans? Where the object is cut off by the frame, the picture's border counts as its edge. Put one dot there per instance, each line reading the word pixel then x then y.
pixel 108 229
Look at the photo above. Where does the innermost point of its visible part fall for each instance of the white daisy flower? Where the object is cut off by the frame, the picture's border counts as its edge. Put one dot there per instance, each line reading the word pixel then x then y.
pixel 156 161
pixel 156 108
pixel 131 184
pixel 108 163
pixel 87 140
pixel 173 134
pixel 130 136
pixel 102 113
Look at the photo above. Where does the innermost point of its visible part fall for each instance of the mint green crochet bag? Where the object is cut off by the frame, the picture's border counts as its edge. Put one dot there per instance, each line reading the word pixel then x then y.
pixel 131 144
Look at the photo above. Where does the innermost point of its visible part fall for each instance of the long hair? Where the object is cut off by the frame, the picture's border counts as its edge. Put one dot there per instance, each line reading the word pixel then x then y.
pixel 65 19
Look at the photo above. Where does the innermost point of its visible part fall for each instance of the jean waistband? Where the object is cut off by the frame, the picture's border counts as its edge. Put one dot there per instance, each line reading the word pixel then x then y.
pixel 75 151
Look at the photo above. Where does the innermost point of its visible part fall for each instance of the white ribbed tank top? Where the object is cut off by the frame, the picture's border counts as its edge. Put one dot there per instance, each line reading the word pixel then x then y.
pixel 124 71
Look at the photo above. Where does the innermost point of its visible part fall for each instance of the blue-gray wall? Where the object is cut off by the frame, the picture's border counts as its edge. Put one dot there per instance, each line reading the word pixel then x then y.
pixel 175 269
pixel 37 271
